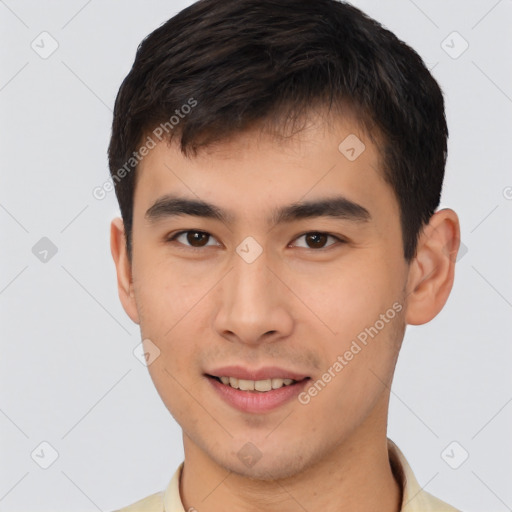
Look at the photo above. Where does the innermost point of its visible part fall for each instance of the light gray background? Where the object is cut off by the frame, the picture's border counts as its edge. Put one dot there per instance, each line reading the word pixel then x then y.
pixel 68 374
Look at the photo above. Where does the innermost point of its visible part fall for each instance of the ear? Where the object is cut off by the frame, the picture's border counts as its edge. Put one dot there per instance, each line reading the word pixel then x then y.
pixel 123 269
pixel 432 270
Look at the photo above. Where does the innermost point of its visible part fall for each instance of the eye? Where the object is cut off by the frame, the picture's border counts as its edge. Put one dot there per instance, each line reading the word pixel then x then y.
pixel 318 239
pixel 192 238
pixel 195 239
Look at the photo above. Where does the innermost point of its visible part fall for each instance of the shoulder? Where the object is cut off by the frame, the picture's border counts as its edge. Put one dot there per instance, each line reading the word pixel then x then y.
pixel 152 503
pixel 426 501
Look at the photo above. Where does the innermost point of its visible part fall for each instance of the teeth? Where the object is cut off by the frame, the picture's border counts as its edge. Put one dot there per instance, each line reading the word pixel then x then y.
pixel 258 385
pixel 246 385
pixel 277 383
pixel 263 385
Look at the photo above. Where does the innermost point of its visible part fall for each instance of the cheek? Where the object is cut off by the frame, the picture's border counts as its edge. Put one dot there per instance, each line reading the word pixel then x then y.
pixel 178 395
pixel 170 320
pixel 167 294
pixel 356 376
pixel 169 316
pixel 361 308
pixel 347 296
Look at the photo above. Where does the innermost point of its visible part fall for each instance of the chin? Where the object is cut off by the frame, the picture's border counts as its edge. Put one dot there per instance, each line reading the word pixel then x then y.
pixel 272 463
pixel 268 471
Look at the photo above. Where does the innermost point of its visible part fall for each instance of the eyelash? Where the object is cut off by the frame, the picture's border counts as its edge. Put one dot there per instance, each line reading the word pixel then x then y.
pixel 172 238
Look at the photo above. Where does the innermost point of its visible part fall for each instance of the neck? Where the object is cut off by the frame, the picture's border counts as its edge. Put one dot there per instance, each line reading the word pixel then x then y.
pixel 356 475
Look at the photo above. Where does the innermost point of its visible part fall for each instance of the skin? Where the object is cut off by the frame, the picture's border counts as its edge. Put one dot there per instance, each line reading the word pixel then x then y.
pixel 298 306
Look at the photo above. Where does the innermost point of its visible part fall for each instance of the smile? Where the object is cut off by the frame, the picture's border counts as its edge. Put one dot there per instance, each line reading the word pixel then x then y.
pixel 256 396
pixel 255 385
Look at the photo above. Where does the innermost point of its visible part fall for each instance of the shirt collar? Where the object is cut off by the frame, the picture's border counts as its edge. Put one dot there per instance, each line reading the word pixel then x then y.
pixel 414 498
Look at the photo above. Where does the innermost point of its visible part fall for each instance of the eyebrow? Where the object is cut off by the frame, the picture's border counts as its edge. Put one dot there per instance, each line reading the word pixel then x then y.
pixel 337 207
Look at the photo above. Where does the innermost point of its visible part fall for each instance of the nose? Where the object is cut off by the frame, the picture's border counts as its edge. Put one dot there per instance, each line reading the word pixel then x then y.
pixel 254 304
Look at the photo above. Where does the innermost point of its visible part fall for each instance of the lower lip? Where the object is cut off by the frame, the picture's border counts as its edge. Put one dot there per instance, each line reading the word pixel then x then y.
pixel 257 401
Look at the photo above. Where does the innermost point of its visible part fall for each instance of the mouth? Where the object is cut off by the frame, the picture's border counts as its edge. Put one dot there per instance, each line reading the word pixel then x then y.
pixel 256 396
pixel 256 386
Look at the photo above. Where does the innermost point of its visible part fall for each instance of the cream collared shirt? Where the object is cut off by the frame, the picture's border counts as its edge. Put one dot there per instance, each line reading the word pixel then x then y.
pixel 415 499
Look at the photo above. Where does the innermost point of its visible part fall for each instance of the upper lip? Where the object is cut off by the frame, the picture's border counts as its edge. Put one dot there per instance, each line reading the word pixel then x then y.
pixel 267 372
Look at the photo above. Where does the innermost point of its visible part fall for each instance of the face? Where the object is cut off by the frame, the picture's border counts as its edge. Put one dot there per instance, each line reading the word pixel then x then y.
pixel 262 282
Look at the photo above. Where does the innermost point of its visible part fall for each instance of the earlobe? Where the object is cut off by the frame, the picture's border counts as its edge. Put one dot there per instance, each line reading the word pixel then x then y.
pixel 123 269
pixel 432 271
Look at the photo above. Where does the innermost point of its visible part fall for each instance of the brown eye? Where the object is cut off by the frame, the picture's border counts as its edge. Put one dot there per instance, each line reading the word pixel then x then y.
pixel 192 239
pixel 197 238
pixel 318 240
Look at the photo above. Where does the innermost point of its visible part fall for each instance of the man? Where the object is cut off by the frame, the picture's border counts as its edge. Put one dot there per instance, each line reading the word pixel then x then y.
pixel 278 165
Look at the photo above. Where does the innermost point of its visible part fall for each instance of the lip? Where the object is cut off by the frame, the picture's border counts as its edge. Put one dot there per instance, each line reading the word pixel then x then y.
pixel 268 372
pixel 256 401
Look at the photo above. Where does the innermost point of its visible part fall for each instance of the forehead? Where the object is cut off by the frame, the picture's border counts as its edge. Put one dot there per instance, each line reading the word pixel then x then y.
pixel 256 170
